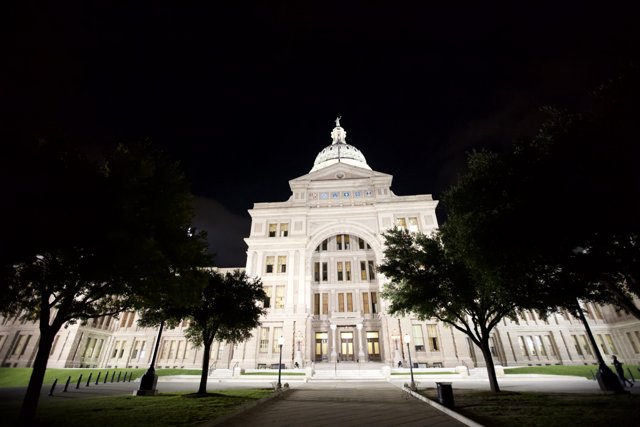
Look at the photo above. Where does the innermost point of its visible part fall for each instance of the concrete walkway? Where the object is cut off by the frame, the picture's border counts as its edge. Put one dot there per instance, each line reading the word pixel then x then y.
pixel 376 403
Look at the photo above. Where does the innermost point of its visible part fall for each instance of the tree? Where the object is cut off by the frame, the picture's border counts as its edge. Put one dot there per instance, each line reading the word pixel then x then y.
pixel 428 281
pixel 228 310
pixel 94 239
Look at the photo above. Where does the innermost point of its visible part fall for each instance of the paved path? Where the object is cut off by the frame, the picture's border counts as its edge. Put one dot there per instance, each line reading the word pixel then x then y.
pixel 342 404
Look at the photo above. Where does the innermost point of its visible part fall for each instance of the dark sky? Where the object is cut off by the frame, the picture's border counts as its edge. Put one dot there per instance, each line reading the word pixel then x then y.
pixel 245 94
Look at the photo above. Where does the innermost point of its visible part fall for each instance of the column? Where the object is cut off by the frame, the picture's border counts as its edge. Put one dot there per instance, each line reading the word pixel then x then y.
pixel 360 346
pixel 334 354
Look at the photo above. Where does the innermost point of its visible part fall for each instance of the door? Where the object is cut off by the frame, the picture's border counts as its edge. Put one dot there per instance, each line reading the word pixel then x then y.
pixel 346 346
pixel 373 346
pixel 321 346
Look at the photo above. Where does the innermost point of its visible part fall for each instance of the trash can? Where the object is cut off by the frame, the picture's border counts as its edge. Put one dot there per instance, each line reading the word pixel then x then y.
pixel 445 394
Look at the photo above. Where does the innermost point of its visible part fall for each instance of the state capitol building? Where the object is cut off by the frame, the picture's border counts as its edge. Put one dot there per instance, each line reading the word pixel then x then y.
pixel 316 254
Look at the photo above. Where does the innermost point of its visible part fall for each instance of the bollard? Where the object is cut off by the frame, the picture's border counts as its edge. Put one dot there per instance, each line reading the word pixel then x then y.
pixel 130 376
pixel 66 386
pixel 113 376
pixel 106 376
pixel 79 379
pixel 53 387
pixel 98 378
pixel 118 377
pixel 89 379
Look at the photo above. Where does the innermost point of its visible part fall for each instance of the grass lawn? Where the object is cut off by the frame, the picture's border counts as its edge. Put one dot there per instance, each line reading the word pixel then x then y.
pixel 544 409
pixel 425 373
pixel 19 377
pixel 586 371
pixel 171 409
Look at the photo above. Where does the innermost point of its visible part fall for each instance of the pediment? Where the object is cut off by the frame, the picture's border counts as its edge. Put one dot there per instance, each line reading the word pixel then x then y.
pixel 338 172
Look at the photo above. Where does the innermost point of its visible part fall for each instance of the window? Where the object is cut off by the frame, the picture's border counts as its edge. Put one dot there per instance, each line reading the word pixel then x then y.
pixel 612 346
pixel 132 315
pixel 418 338
pixel 362 244
pixel 179 351
pixel 539 346
pixel 325 303
pixel 277 333
pixel 322 246
pixel 401 223
pixel 374 302
pixel 123 319
pixel 339 243
pixel 585 345
pixel 347 269
pixel 172 349
pixel 115 349
pixel 576 345
pixel 350 302
pixel 284 230
pixel 363 270
pixel 325 274
pixel 597 311
pixel 372 270
pixel 432 333
pixel 409 223
pixel 603 347
pixel 273 230
pixel 413 224
pixel 267 301
pixel 264 340
pixel 341 302
pixel 316 304
pixel 142 350
pixel 549 344
pixel 279 303
pixel 365 303
pixel 340 272
pixel 136 350
pixel 344 270
pixel 97 352
pixel 530 346
pixel 270 262
pixel 320 271
pixel 523 346
pixel 282 264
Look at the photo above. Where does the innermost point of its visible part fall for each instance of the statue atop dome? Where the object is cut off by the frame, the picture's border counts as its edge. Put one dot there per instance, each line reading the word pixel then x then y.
pixel 338 121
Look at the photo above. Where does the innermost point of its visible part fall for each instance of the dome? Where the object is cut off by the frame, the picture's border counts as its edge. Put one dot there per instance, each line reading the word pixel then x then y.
pixel 339 152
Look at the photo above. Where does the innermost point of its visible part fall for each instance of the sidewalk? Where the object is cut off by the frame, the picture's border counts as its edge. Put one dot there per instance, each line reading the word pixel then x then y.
pixel 373 403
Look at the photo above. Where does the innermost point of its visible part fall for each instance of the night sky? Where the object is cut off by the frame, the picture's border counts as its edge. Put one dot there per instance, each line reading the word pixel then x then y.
pixel 244 94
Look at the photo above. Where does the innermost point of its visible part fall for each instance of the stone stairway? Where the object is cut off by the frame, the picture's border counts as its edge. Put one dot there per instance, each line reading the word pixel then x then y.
pixel 348 371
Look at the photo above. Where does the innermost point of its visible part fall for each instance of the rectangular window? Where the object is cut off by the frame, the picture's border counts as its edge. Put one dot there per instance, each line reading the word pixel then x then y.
pixel 269 293
pixel 86 348
pixel 277 333
pixel 132 315
pixel 316 304
pixel 401 223
pixel 360 243
pixel 339 242
pixel 279 303
pixel 631 341
pixel 264 340
pixel 609 341
pixel 282 264
pixel 372 270
pixel 363 270
pixel 284 230
pixel 432 333
pixel 123 319
pixel 316 272
pixel 374 302
pixel 602 345
pixel 115 349
pixel 179 352
pixel 142 350
pixel 270 262
pixel 272 230
pixel 418 337
pixel 365 303
pixel 340 272
pixel 325 274
pixel 323 245
pixel 99 349
pixel 523 346
pixel 172 349
pixel 413 224
pixel 539 345
pixel 347 243
pixel 597 311
pixel 549 344
pixel 531 346
pixel 576 345
pixel 136 349
pixel 347 270
pixel 585 345
pixel 325 303
pixel 341 302
pixel 350 302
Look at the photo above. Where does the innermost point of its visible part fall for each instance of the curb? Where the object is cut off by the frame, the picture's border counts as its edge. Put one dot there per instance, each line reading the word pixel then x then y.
pixel 442 408
pixel 245 407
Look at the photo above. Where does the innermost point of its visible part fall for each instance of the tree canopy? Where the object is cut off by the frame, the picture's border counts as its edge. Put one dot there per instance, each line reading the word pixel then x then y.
pixel 95 237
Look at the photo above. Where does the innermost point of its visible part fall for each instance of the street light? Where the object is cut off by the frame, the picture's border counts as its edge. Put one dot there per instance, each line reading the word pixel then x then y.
pixel 280 342
pixel 407 339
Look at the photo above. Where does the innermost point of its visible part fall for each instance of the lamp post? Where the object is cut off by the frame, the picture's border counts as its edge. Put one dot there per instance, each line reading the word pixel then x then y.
pixel 149 380
pixel 395 336
pixel 407 339
pixel 280 342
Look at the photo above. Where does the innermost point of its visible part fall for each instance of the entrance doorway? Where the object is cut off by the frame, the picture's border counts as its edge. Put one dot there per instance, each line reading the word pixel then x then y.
pixel 346 346
pixel 373 346
pixel 322 339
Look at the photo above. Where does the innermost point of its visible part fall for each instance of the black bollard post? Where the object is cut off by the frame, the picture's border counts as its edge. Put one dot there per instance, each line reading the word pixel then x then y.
pixel 79 379
pixel 53 387
pixel 118 377
pixel 631 375
pixel 106 377
pixel 89 379
pixel 66 386
pixel 113 376
pixel 98 378
pixel 130 376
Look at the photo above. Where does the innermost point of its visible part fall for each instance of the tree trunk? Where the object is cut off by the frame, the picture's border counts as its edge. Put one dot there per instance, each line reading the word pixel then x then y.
pixel 32 396
pixel 491 370
pixel 205 367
